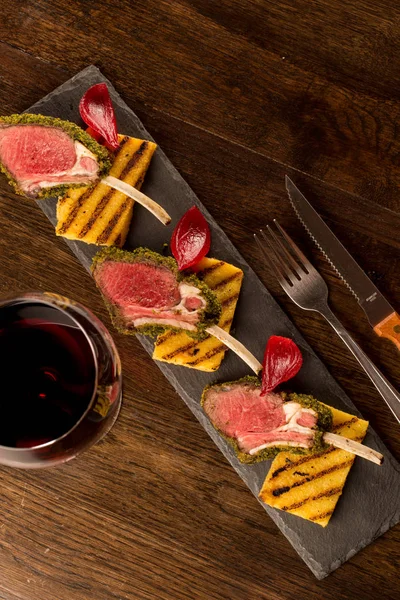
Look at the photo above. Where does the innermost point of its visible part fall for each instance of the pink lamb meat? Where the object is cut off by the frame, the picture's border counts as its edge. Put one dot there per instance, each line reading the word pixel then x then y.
pixel 38 156
pixel 143 289
pixel 257 422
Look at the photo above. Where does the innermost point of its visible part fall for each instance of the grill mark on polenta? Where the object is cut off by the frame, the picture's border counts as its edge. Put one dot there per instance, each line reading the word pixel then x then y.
pixel 186 347
pixel 208 355
pixel 179 350
pixel 122 143
pixel 301 461
pixel 135 158
pixel 229 300
pixel 319 517
pixel 86 196
pixel 210 269
pixel 191 346
pixel 310 457
pixel 103 237
pixel 324 494
pixel 75 209
pixel 164 337
pixel 227 280
pixel 225 323
pixel 285 489
pixel 104 200
pixel 139 182
pixel 118 240
pixel 195 351
pixel 63 199
pixel 344 424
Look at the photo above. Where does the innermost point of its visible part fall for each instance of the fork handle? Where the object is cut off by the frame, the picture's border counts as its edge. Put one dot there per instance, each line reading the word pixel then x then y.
pixel 386 390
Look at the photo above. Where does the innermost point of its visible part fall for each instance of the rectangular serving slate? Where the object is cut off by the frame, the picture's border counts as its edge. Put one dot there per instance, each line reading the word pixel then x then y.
pixel 370 504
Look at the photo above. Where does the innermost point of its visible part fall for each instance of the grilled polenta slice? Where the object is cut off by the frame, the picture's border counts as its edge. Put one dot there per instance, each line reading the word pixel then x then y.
pixel 178 348
pixel 101 215
pixel 310 486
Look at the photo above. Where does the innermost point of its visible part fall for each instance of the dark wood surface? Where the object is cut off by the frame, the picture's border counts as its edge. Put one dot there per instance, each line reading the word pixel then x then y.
pixel 236 92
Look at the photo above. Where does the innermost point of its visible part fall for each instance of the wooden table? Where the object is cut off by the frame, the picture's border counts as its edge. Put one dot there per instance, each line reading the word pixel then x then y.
pixel 235 92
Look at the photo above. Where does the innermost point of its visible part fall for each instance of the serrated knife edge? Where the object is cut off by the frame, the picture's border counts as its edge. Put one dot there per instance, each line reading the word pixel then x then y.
pixel 364 290
pixel 293 203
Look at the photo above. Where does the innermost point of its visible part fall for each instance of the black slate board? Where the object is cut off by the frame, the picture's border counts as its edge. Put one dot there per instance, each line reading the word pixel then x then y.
pixel 370 504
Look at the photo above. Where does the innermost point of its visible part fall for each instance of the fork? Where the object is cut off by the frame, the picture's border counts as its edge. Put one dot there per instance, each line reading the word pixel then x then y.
pixel 305 286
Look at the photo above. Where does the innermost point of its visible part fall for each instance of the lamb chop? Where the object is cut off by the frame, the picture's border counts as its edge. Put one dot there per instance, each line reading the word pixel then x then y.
pixel 260 426
pixel 146 293
pixel 44 156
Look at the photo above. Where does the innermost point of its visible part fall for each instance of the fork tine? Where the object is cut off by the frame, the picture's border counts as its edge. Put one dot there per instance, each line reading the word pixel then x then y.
pixel 280 262
pixel 305 286
pixel 259 244
pixel 285 265
pixel 272 258
pixel 296 268
pixel 303 260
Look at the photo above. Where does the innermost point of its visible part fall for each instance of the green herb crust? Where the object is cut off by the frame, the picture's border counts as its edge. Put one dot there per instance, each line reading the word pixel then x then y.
pixel 208 316
pixel 324 423
pixel 75 132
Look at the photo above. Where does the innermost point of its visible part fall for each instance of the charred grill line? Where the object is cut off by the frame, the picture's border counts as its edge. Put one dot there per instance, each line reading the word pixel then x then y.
pixel 225 323
pixel 135 158
pixel 96 213
pixel 107 198
pixel 118 240
pixel 228 301
pixel 179 350
pixel 227 280
pixel 320 517
pixel 194 344
pixel 317 501
pixel 189 347
pixel 201 274
pixel 343 465
pixel 164 337
pixel 296 463
pixel 217 350
pixel 281 490
pixel 75 210
pixel 309 457
pixel 62 199
pixel 326 494
pixel 103 237
pixel 344 424
pixel 281 470
pixel 122 143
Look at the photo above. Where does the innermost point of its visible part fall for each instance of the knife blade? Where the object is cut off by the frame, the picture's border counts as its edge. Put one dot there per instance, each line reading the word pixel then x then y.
pixel 381 315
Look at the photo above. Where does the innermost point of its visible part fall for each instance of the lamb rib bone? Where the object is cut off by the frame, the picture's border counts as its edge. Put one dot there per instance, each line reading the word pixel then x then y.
pixel 338 441
pixel 139 197
pixel 237 347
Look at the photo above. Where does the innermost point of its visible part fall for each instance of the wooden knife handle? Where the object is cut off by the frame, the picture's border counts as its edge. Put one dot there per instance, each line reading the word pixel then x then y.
pixel 390 329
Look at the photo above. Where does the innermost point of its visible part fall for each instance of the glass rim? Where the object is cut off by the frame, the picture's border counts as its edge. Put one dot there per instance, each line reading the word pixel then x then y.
pixel 50 299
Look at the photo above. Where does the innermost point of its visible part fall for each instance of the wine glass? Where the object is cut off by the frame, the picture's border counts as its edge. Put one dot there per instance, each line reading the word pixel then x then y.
pixel 62 380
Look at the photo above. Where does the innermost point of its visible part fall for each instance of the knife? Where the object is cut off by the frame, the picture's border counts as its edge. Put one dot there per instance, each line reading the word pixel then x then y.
pixel 383 318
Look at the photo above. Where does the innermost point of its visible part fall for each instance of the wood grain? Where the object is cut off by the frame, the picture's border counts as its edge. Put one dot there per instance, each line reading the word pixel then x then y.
pixel 237 93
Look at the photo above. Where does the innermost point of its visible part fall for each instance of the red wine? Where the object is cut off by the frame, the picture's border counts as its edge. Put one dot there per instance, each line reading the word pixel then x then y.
pixel 47 373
